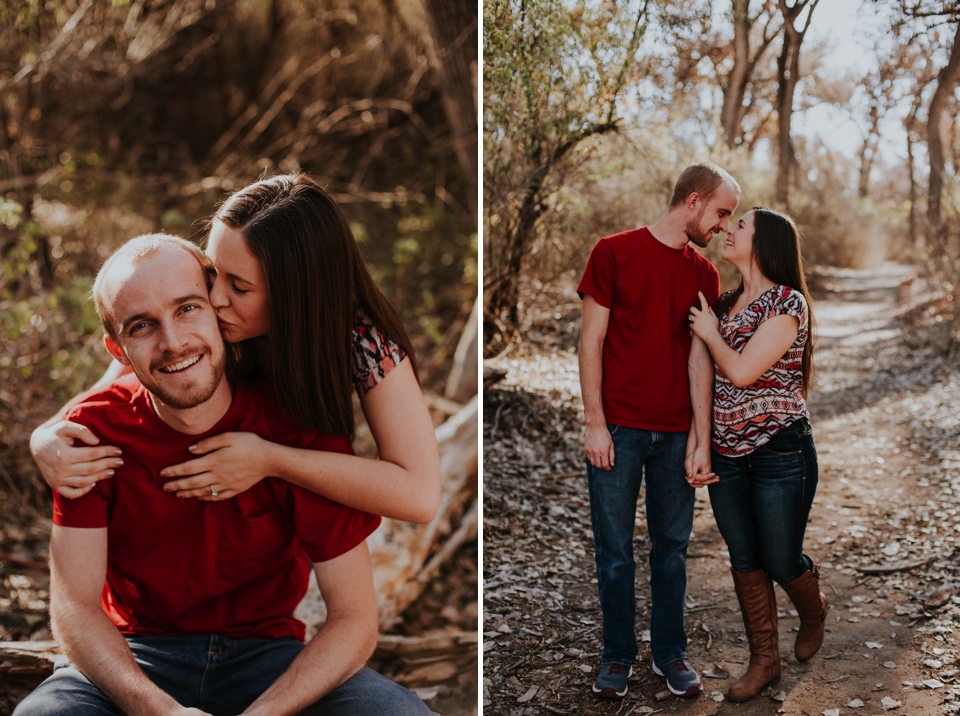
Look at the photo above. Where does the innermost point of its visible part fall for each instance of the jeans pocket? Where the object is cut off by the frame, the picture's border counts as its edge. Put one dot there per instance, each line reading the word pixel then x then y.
pixel 612 429
pixel 785 442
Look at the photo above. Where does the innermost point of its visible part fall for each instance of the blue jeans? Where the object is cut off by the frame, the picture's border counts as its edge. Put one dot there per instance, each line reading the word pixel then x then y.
pixel 762 503
pixel 658 456
pixel 220 676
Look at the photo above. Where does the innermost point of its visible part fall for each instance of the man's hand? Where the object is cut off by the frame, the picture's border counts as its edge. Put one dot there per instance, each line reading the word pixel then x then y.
pixel 599 447
pixel 697 465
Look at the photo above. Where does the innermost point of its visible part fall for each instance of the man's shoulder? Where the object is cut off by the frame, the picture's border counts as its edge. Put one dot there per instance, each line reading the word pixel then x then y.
pixel 123 392
pixel 262 414
pixel 632 238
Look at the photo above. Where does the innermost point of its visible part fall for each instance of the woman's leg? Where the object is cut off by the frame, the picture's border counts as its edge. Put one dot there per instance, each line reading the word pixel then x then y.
pixel 786 479
pixel 733 509
pixel 736 515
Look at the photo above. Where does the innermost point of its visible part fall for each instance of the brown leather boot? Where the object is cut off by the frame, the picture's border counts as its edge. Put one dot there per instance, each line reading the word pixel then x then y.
pixel 758 605
pixel 812 606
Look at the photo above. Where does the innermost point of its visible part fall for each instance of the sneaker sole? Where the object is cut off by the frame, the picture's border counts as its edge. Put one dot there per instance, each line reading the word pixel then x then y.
pixel 610 693
pixel 695 690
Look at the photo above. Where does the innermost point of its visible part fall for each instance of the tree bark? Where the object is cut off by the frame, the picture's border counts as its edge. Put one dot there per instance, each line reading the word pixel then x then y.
pixel 946 81
pixel 464 376
pixel 453 30
pixel 735 90
pixel 788 74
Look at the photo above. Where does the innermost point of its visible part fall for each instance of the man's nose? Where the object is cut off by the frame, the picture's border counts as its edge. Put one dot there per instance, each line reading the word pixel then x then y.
pixel 171 337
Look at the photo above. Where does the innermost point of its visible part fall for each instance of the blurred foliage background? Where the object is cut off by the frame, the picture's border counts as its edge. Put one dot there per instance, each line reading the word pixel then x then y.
pixel 130 116
pixel 841 112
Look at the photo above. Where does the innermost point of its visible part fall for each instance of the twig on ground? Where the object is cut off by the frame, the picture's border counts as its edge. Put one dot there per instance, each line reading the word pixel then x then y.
pixel 901 567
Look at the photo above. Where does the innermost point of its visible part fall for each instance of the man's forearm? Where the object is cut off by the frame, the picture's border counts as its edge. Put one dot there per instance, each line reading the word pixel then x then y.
pixel 590 387
pixel 100 653
pixel 338 651
pixel 700 373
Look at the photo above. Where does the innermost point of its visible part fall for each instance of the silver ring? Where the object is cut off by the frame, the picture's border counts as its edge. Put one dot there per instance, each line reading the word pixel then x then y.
pixel 213 490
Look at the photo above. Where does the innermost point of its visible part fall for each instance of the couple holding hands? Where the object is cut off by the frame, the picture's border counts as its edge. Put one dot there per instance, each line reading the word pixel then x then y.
pixel 687 388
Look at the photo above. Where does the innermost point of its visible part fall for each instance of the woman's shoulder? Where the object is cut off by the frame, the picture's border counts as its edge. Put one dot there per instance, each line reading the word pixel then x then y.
pixel 787 295
pixel 374 353
pixel 786 300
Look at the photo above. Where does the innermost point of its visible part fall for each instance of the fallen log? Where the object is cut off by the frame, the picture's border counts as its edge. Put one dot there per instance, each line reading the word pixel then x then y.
pixel 405 556
pixel 23 665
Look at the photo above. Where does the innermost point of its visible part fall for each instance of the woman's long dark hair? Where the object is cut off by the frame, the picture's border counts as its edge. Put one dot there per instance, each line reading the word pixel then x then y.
pixel 776 244
pixel 317 282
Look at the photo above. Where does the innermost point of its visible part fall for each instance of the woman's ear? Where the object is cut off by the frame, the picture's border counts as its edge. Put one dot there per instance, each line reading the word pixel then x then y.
pixel 114 349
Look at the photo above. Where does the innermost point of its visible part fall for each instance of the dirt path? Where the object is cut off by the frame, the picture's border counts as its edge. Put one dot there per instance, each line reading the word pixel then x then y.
pixel 884 502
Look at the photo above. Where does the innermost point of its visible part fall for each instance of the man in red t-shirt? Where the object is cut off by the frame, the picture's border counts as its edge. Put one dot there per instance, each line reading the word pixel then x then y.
pixel 173 606
pixel 647 394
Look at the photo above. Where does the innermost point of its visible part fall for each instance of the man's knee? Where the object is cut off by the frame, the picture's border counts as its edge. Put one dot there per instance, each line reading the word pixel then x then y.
pixel 369 694
pixel 66 693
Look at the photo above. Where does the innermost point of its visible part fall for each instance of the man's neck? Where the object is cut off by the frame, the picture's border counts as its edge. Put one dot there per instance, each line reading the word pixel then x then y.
pixel 670 231
pixel 199 419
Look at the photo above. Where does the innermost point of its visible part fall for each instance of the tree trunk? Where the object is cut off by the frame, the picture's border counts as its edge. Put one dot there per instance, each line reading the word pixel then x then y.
pixel 911 174
pixel 788 74
pixel 735 90
pixel 868 153
pixel 464 376
pixel 739 75
pixel 786 84
pixel 505 293
pixel 946 81
pixel 453 30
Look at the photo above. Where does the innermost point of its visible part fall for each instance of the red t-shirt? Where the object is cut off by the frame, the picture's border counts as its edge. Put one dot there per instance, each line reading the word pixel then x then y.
pixel 649 288
pixel 237 567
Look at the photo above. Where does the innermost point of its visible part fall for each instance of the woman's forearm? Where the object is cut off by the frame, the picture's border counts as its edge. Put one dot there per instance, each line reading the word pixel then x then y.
pixel 377 486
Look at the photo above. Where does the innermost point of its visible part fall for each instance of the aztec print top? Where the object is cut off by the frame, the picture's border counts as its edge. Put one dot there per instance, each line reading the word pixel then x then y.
pixel 374 354
pixel 746 418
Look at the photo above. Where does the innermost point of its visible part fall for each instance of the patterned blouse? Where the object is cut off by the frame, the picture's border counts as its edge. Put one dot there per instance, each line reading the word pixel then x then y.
pixel 746 418
pixel 374 354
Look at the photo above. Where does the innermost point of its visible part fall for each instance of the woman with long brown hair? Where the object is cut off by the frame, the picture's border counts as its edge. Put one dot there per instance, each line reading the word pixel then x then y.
pixel 763 452
pixel 297 302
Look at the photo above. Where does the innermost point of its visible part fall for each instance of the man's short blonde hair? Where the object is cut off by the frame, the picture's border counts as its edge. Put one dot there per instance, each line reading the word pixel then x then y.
pixel 703 179
pixel 131 252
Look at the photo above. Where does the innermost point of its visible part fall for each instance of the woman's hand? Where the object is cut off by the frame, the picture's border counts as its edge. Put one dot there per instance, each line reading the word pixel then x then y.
pixel 230 462
pixel 67 467
pixel 703 321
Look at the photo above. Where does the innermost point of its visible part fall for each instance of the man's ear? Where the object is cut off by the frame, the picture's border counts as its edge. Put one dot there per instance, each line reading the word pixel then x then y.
pixel 114 349
pixel 693 201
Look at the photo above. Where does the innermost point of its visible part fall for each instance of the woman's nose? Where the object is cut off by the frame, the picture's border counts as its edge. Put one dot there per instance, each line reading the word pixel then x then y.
pixel 218 297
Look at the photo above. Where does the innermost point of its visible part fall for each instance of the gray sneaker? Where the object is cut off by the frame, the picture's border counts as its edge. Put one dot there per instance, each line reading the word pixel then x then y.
pixel 611 683
pixel 682 680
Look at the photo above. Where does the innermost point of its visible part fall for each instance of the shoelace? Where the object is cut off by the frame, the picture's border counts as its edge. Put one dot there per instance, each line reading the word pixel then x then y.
pixel 615 669
pixel 681 665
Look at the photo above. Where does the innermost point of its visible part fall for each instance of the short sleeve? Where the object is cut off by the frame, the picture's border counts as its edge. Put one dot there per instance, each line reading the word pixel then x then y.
pixel 375 354
pixel 789 302
pixel 600 276
pixel 88 511
pixel 327 529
